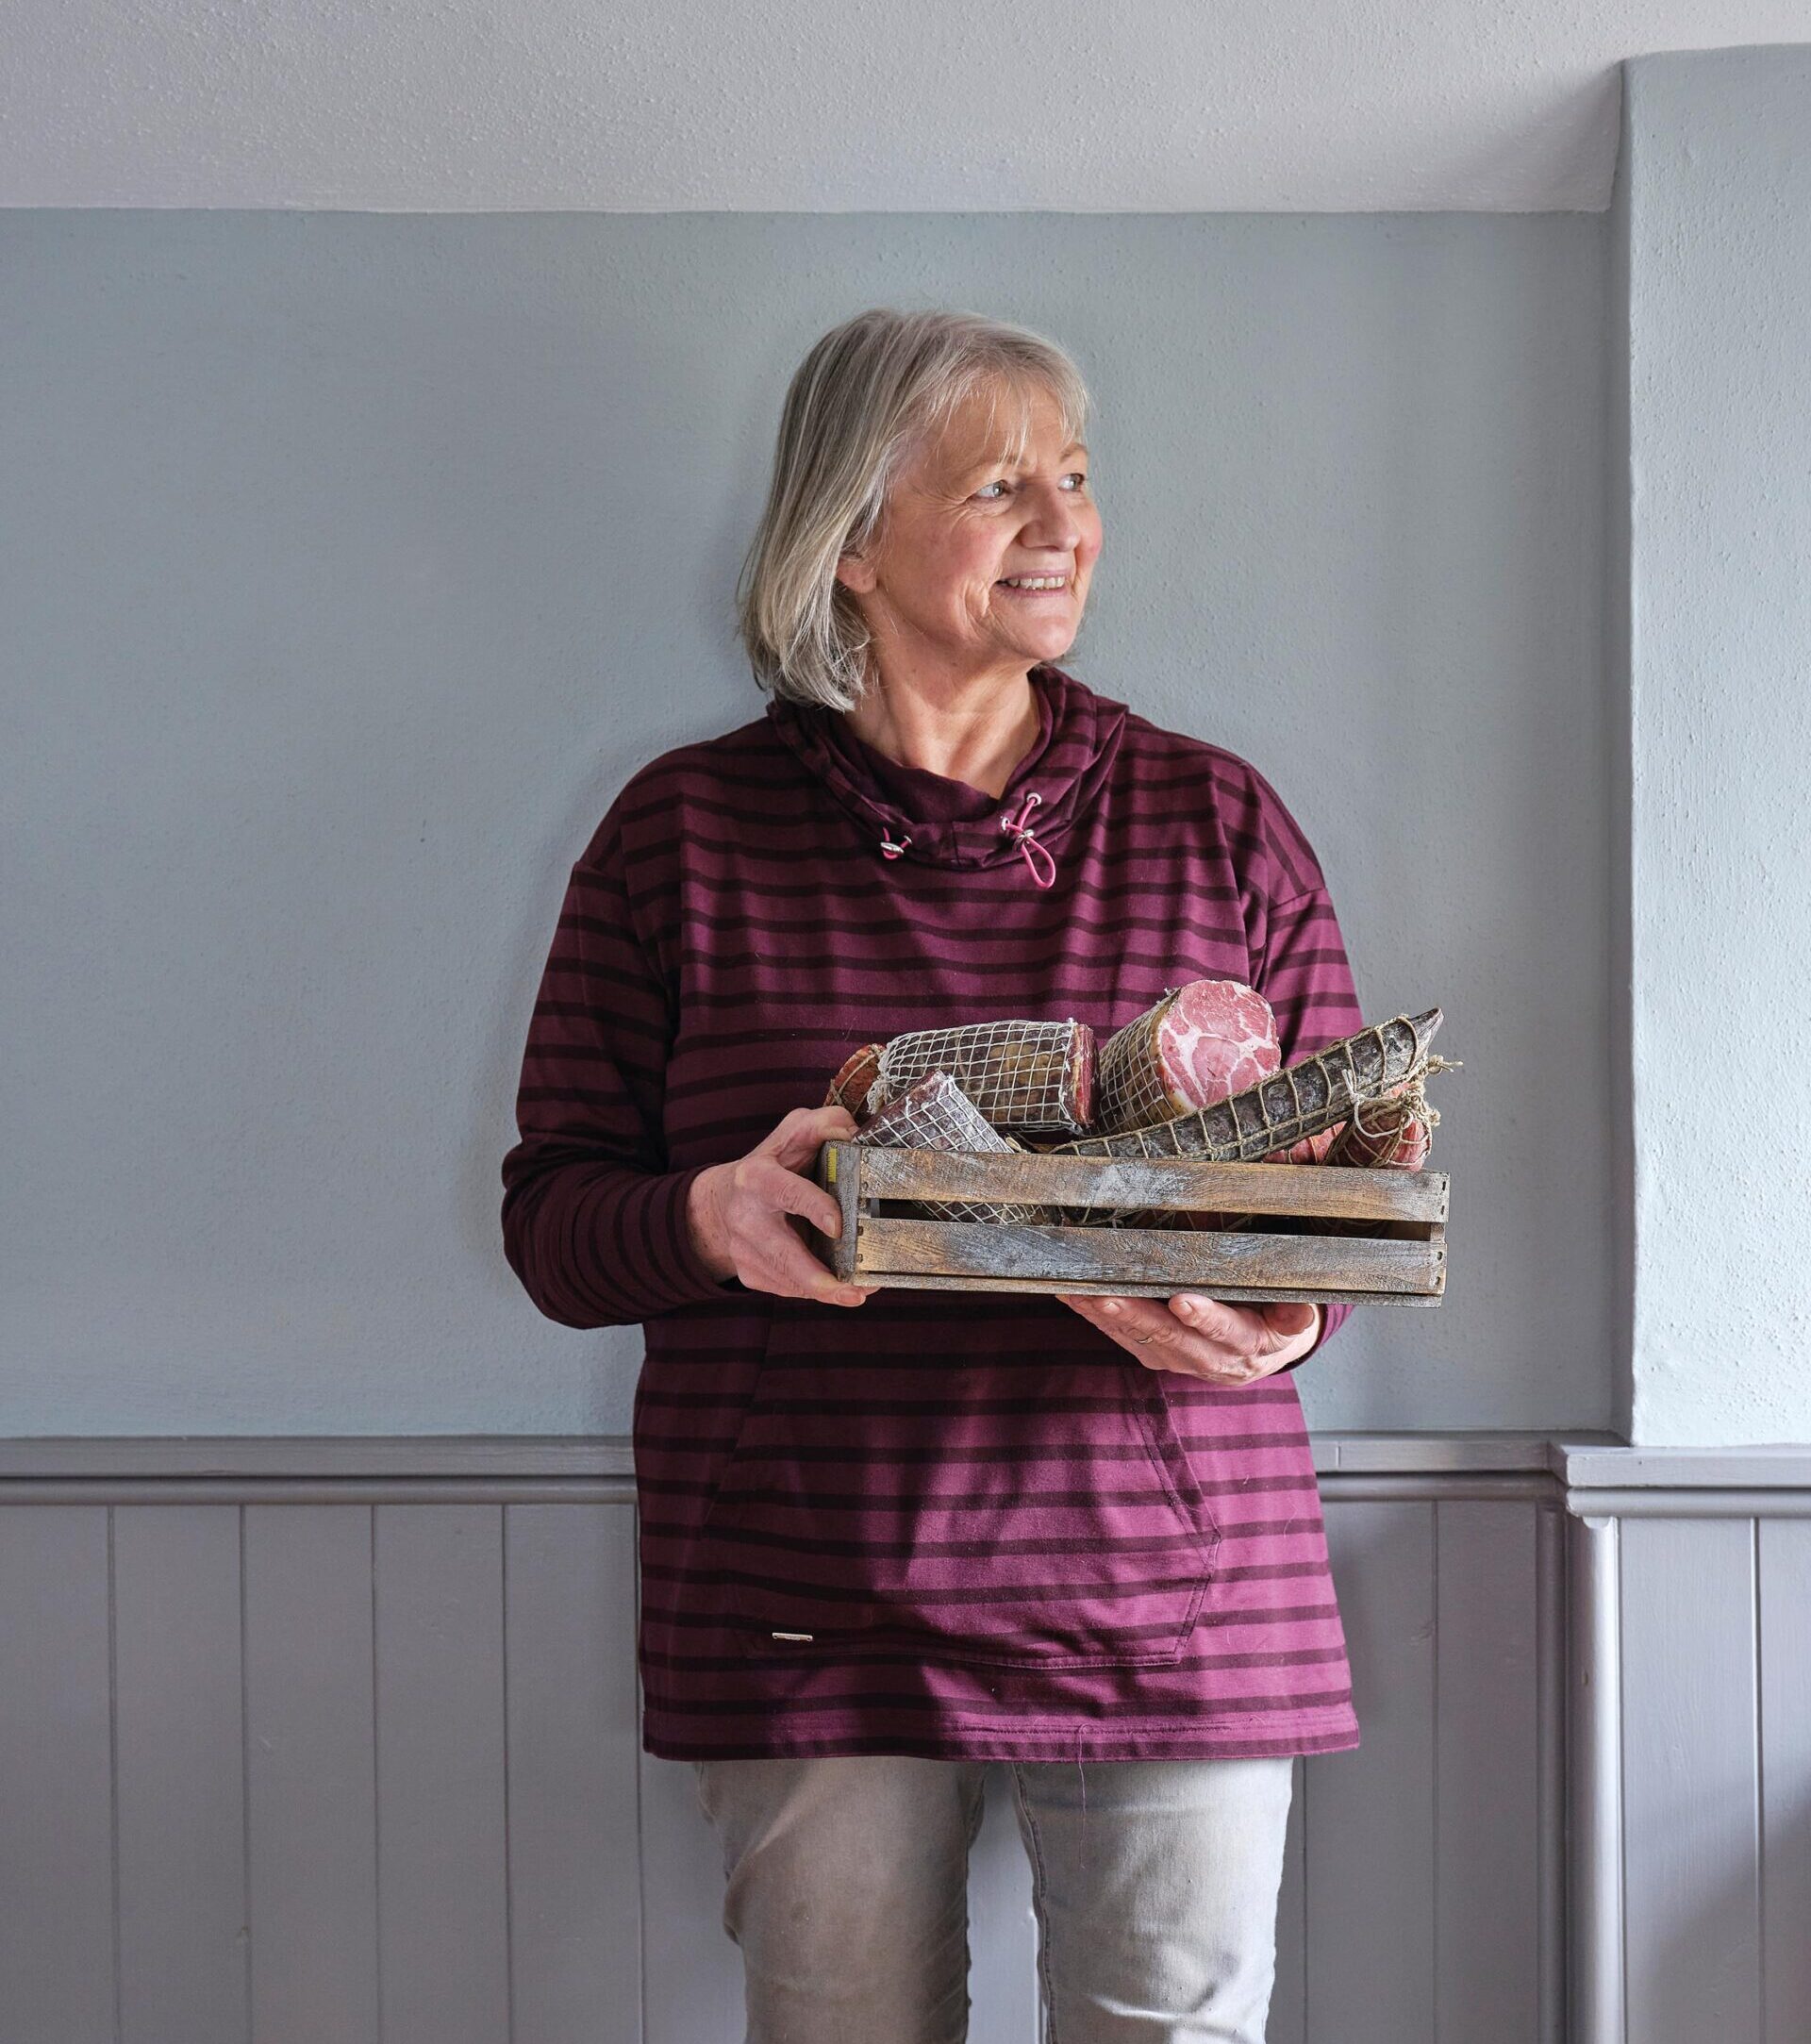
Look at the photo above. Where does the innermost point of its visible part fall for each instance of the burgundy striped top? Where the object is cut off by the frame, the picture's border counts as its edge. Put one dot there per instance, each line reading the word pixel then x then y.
pixel 955 1524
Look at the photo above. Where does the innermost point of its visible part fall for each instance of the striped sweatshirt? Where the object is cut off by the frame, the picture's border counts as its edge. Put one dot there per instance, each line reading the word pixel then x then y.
pixel 962 1525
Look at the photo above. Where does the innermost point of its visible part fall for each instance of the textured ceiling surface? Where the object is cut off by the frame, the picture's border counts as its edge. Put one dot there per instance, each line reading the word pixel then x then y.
pixel 804 106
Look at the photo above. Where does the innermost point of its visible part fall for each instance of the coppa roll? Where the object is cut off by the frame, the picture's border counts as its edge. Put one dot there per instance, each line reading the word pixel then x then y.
pixel 1201 1043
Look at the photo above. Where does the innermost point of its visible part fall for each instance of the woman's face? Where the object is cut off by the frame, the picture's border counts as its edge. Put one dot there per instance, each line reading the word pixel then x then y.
pixel 958 523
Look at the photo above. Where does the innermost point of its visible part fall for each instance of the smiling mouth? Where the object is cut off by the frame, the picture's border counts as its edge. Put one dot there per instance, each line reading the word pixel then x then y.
pixel 1012 589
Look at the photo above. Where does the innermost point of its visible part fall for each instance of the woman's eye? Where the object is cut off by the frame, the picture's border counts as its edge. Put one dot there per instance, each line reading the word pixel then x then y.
pixel 1079 476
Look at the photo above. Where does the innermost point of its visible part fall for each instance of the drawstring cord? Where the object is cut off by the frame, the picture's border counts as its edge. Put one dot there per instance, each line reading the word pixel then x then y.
pixel 1019 827
pixel 1016 826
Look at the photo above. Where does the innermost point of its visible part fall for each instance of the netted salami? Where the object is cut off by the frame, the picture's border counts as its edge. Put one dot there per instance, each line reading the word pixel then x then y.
pixel 1395 1133
pixel 1025 1079
pixel 1304 1100
pixel 935 1114
pixel 854 1080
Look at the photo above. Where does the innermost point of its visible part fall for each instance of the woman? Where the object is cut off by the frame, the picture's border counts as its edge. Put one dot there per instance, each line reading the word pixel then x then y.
pixel 1082 1535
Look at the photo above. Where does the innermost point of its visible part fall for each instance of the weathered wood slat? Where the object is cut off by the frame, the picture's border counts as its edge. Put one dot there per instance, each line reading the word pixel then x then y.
pixel 1151 1257
pixel 1132 1288
pixel 1397 1257
pixel 1179 1185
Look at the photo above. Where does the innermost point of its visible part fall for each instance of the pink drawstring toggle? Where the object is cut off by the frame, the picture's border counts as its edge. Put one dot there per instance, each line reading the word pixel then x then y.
pixel 888 848
pixel 1019 826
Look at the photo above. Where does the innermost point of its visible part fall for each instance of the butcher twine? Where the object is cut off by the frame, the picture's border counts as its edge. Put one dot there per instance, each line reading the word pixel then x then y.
pixel 1394 1111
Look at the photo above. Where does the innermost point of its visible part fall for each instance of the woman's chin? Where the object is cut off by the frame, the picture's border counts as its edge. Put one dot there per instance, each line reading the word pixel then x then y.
pixel 1049 638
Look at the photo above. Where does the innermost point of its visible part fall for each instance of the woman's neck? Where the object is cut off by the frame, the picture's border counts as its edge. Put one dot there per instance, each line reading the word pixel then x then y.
pixel 978 738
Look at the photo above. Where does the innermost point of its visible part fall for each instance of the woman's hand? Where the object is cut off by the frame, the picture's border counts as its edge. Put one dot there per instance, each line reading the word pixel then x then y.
pixel 738 1213
pixel 1229 1345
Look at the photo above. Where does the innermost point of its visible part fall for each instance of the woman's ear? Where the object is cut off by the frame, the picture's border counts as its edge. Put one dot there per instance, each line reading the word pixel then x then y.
pixel 855 571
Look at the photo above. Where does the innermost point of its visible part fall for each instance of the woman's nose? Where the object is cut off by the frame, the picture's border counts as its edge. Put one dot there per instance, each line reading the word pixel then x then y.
pixel 1050 517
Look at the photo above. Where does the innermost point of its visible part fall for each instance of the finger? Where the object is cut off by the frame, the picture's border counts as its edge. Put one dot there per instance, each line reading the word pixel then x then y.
pixel 789 1268
pixel 1141 1323
pixel 804 1132
pixel 1288 1319
pixel 784 1192
pixel 1233 1328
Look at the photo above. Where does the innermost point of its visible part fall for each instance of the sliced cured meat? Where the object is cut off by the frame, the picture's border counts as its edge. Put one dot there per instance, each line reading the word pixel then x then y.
pixel 1203 1042
pixel 1313 1094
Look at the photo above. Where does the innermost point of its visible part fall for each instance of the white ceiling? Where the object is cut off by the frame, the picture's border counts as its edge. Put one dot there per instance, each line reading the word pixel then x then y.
pixel 835 105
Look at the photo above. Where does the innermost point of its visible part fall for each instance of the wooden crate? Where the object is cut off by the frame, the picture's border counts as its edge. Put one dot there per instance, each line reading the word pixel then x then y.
pixel 1400 1260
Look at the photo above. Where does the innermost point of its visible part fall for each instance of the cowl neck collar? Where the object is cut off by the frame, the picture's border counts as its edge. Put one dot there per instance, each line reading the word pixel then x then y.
pixel 907 812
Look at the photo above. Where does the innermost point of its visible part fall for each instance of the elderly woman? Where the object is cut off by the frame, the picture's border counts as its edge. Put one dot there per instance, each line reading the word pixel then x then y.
pixel 888 1537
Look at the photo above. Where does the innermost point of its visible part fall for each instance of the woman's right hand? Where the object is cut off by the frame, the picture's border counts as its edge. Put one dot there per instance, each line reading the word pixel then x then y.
pixel 738 1213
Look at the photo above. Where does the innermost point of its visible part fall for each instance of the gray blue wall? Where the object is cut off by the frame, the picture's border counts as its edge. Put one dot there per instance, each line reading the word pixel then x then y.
pixel 1712 318
pixel 354 560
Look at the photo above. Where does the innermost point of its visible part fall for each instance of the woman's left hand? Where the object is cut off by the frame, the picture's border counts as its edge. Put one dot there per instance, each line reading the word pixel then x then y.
pixel 1229 1345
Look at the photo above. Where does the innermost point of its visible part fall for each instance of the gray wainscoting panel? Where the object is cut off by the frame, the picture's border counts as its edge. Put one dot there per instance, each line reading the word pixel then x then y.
pixel 1692 1749
pixel 1783 1548
pixel 178 1725
pixel 310 1762
pixel 57 1962
pixel 574 1779
pixel 1691 1847
pixel 442 1861
pixel 1490 1780
pixel 324 1741
pixel 1369 1813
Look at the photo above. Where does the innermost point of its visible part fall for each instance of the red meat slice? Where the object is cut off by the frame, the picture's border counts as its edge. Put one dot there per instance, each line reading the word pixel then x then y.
pixel 1203 1042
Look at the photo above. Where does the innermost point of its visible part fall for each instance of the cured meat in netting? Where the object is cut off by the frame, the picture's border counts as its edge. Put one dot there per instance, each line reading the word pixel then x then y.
pixel 1390 1134
pixel 1309 1098
pixel 1027 1078
pixel 1202 1042
pixel 1312 1095
pixel 935 1114
pixel 854 1080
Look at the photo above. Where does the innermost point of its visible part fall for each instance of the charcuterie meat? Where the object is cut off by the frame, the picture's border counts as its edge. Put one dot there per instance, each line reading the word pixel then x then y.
pixel 1390 1134
pixel 1027 1078
pixel 854 1080
pixel 937 1115
pixel 1201 1043
pixel 1303 1100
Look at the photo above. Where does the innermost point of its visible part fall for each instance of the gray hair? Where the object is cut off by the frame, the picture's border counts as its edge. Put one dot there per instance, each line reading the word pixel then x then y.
pixel 869 396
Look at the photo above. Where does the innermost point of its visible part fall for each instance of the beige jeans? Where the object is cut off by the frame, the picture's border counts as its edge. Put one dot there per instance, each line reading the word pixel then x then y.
pixel 1155 1884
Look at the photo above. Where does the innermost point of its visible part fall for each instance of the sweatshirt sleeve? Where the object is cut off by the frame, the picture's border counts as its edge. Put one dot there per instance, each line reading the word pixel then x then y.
pixel 1302 968
pixel 593 1223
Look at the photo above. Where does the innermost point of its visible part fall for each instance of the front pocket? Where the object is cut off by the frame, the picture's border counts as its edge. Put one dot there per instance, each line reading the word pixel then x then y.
pixel 1040 1517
